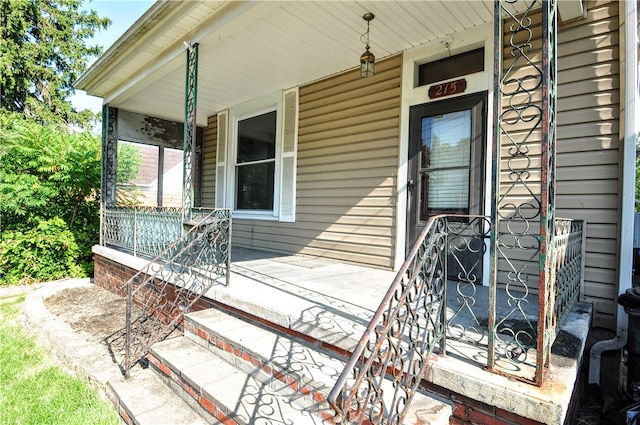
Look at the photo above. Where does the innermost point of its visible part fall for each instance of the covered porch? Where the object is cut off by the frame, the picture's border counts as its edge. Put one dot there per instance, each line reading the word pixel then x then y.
pixel 338 306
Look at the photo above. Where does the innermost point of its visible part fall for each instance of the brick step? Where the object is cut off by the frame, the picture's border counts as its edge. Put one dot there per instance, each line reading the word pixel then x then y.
pixel 300 363
pixel 221 391
pixel 303 365
pixel 144 399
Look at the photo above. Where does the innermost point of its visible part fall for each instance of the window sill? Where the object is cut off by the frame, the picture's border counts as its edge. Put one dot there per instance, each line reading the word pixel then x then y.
pixel 254 215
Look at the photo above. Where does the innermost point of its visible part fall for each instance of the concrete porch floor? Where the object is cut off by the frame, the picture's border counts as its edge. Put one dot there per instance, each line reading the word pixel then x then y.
pixel 332 300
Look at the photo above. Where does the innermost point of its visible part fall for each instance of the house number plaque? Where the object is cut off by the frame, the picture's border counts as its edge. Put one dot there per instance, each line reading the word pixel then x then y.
pixel 448 88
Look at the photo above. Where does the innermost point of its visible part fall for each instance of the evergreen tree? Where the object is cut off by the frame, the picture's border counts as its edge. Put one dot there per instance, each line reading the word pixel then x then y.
pixel 43 50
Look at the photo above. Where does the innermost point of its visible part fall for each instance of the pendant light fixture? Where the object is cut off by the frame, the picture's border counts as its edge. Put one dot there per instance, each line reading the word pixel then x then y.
pixel 367 59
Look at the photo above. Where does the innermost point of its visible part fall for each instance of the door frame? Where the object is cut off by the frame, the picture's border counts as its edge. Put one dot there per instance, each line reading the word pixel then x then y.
pixel 412 94
pixel 477 102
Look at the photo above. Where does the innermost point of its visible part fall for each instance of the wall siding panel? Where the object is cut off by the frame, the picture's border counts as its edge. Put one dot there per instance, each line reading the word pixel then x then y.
pixel 588 126
pixel 348 139
pixel 348 157
pixel 588 185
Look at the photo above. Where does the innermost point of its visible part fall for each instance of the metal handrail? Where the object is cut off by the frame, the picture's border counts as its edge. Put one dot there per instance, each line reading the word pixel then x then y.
pixel 411 320
pixel 170 284
pixel 382 321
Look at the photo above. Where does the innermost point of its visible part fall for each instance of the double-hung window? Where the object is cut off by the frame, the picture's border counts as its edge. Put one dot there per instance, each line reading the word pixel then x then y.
pixel 256 158
pixel 255 164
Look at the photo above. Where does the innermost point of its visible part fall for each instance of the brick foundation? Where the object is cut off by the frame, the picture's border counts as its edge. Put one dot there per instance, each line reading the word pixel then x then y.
pixel 467 411
pixel 111 275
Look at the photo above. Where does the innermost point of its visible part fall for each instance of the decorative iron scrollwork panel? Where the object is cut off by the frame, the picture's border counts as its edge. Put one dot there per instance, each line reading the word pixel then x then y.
pixel 170 285
pixel 189 149
pixel 390 360
pixel 524 185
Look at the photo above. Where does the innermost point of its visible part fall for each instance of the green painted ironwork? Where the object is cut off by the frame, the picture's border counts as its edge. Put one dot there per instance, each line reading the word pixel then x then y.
pixel 524 192
pixel 109 161
pixel 568 244
pixel 141 231
pixel 384 372
pixel 190 107
pixel 167 288
pixel 433 303
pixel 547 328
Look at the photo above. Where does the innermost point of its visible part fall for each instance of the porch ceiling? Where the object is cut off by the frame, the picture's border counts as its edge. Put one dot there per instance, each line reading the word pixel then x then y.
pixel 251 48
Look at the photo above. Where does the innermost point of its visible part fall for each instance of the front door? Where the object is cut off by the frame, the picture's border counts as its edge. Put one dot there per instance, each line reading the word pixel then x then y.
pixel 446 160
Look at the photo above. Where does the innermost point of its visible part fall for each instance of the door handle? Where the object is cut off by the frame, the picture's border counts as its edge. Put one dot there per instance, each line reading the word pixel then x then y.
pixel 410 184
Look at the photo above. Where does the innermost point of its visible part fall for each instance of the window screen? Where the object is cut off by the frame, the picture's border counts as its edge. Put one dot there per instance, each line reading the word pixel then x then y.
pixel 445 163
pixel 255 162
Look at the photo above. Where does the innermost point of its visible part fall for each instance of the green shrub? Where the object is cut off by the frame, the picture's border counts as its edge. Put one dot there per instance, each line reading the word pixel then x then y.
pixel 46 172
pixel 46 252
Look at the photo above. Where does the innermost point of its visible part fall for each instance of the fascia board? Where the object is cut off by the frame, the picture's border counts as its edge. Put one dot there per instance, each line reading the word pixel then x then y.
pixel 232 17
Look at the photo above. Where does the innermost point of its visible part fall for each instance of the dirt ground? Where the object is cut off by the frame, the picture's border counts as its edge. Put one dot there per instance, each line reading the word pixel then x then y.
pixel 90 309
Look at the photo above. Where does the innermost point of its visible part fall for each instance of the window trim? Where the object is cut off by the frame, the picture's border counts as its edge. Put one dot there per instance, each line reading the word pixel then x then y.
pixel 261 106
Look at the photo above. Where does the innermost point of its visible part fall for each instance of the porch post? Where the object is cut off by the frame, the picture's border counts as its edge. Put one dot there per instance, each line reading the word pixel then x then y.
pixel 495 182
pixel 109 160
pixel 191 86
pixel 547 278
pixel 523 203
pixel 109 154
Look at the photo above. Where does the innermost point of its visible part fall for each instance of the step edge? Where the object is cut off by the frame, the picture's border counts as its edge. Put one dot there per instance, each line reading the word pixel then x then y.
pixel 212 341
pixel 187 390
pixel 208 401
pixel 131 415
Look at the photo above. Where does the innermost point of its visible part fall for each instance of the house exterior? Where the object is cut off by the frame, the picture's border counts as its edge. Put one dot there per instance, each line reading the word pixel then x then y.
pixel 314 159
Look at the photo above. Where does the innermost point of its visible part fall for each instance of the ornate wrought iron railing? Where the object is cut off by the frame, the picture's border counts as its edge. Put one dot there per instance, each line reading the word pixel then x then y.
pixel 170 284
pixel 143 231
pixel 398 341
pixel 416 319
pixel 569 243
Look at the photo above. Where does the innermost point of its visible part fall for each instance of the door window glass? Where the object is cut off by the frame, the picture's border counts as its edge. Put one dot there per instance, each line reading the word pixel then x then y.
pixel 445 163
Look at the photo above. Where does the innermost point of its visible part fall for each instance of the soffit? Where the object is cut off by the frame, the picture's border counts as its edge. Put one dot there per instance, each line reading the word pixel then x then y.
pixel 250 49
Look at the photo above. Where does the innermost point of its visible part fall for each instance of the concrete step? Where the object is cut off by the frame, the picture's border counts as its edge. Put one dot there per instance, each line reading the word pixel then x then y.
pixel 144 399
pixel 300 365
pixel 229 394
pixel 303 366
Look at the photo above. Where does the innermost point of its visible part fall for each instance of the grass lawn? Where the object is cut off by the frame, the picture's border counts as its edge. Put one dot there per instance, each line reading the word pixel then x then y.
pixel 36 391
